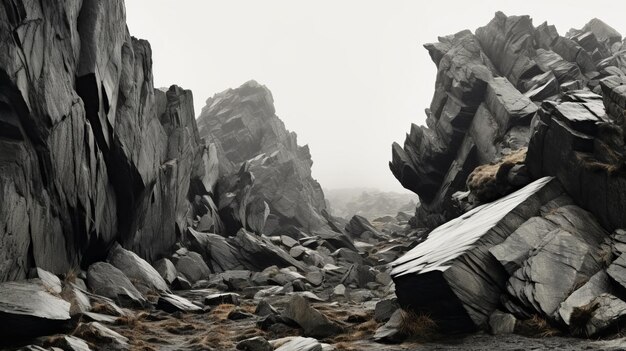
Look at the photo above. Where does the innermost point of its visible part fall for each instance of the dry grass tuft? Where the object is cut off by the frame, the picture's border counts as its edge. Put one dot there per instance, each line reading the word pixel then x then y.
pixel 579 318
pixel 418 326
pixel 484 181
pixel 142 346
pixel 539 326
pixel 221 311
pixel 70 276
pixel 361 331
pixel 217 338
pixel 132 320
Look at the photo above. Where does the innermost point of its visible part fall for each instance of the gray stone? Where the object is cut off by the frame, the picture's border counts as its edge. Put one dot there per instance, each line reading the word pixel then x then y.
pixel 617 270
pixel 166 269
pixel 258 253
pixel 315 277
pixel 68 343
pixel 173 303
pixel 48 279
pixel 296 343
pixel 454 264
pixel 502 323
pixel 29 310
pixel 597 285
pixel 237 314
pixel 550 273
pixel 101 335
pixel 314 323
pixel 609 311
pixel 192 266
pixel 391 331
pixel 106 280
pixel 79 302
pixel 265 309
pixel 217 299
pixel 384 309
pixel 141 273
pixel 257 343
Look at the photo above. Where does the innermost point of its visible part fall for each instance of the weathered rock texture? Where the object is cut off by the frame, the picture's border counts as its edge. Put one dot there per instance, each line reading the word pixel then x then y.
pixel 90 152
pixel 487 91
pixel 452 276
pixel 250 138
pixel 516 103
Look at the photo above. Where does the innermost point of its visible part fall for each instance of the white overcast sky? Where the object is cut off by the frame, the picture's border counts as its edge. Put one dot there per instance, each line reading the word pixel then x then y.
pixel 349 77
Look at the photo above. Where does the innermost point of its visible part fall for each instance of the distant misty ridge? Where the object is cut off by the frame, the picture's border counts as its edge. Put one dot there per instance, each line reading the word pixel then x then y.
pixel 368 202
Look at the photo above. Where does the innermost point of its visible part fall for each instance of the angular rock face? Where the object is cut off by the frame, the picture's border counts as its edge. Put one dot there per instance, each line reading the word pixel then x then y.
pixel 247 133
pixel 27 310
pixel 563 97
pixel 590 144
pixel 90 151
pixel 483 102
pixel 451 276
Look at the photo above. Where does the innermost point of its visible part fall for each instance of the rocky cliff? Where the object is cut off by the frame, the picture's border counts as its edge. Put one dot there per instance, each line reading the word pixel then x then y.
pixel 524 152
pixel 90 151
pixel 247 133
pixel 489 86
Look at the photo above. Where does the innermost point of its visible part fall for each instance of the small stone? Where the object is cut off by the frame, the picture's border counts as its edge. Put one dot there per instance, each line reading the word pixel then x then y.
pixel 264 309
pixel 384 309
pixel 218 299
pixel 237 314
pixel 257 343
pixel 502 323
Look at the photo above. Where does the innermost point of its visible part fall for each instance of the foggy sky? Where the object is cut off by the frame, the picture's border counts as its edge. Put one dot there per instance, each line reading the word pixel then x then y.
pixel 349 77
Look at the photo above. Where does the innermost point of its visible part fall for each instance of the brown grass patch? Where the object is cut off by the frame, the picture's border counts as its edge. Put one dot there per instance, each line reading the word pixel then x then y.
pixel 132 320
pixel 142 346
pixel 217 338
pixel 538 326
pixel 70 276
pixel 484 180
pixel 221 311
pixel 418 326
pixel 361 331
pixel 579 318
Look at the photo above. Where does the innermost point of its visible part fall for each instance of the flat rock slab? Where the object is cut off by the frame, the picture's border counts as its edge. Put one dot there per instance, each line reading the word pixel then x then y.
pixel 173 303
pixel 296 343
pixel 617 270
pixel 27 309
pixel 451 276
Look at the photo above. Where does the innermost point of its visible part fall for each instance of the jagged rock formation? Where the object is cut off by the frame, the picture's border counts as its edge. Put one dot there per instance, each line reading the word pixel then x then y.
pixel 243 124
pixel 91 152
pixel 483 102
pixel 515 103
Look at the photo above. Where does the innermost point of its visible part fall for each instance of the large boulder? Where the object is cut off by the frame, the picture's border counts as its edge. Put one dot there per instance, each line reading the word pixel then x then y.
pixel 452 276
pixel 556 262
pixel 106 280
pixel 257 253
pixel 142 274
